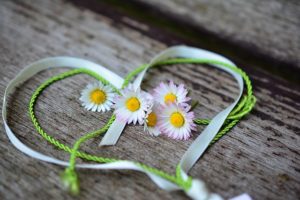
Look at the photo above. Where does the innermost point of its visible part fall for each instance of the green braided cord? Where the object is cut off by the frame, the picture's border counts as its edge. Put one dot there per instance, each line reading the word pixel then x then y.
pixel 69 174
pixel 43 133
pixel 246 100
pixel 243 107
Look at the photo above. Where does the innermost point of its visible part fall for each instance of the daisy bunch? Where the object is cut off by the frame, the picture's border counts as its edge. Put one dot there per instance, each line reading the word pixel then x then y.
pixel 166 112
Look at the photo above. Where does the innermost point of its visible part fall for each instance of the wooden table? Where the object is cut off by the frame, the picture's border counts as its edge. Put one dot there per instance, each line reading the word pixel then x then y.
pixel 259 156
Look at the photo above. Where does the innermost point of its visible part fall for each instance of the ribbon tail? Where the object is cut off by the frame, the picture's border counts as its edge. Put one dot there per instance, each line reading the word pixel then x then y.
pixel 244 196
pixel 113 133
pixel 198 191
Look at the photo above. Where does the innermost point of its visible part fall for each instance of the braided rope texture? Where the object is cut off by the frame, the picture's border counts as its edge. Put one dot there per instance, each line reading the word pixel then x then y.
pixel 69 176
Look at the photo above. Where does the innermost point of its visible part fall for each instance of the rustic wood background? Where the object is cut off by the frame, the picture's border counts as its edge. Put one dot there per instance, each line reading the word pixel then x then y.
pixel 270 27
pixel 259 156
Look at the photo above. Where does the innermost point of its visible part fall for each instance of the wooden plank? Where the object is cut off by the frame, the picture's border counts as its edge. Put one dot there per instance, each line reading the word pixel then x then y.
pixel 259 156
pixel 270 27
pixel 172 29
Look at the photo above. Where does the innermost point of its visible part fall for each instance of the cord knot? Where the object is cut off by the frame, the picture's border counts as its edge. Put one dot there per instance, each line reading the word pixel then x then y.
pixel 70 181
pixel 194 188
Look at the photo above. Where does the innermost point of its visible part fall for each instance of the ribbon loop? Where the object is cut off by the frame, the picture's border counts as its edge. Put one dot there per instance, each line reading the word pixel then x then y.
pixel 196 188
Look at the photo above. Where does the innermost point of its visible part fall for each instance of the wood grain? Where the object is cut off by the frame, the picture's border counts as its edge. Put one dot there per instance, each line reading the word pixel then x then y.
pixel 270 27
pixel 259 156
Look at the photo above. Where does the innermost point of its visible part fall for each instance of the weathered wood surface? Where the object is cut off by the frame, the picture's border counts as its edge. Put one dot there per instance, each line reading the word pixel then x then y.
pixel 259 156
pixel 269 27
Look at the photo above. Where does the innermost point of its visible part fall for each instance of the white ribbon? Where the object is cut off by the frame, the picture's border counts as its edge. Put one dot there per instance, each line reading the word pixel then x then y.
pixel 202 142
pixel 197 191
pixel 114 79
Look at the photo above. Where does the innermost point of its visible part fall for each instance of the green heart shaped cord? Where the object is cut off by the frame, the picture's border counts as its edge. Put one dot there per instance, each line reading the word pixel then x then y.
pixel 215 129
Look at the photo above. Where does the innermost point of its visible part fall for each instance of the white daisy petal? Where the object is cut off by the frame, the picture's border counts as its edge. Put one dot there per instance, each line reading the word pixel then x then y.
pixel 150 123
pixel 90 106
pixel 132 105
pixel 94 108
pixel 97 97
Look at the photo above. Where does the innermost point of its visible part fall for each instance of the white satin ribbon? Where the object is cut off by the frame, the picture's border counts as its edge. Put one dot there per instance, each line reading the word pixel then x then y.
pixel 201 143
pixel 113 134
pixel 197 191
pixel 55 62
pixel 195 150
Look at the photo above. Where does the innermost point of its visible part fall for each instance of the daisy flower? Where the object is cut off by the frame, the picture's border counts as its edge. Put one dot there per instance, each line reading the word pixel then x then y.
pixel 97 97
pixel 151 125
pixel 132 105
pixel 170 93
pixel 176 121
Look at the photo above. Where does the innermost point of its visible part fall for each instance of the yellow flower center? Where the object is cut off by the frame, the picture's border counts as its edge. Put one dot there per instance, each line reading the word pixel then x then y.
pixel 152 119
pixel 98 96
pixel 170 98
pixel 177 119
pixel 133 104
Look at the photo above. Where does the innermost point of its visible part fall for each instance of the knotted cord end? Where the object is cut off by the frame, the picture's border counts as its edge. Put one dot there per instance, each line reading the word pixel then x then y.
pixel 70 181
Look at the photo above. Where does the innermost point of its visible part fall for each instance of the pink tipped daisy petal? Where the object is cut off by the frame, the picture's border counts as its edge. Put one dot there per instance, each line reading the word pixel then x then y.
pixel 176 122
pixel 170 93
